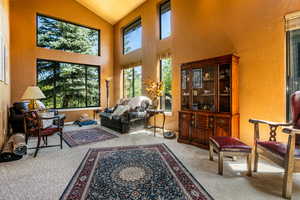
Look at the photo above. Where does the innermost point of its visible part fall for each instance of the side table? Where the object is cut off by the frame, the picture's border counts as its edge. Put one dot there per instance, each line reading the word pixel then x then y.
pixel 153 113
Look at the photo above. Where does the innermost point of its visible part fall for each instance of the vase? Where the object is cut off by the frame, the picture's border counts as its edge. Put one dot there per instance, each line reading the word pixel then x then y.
pixel 155 104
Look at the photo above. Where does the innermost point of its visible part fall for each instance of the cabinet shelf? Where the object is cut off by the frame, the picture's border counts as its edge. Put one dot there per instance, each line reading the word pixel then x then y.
pixel 225 95
pixel 206 95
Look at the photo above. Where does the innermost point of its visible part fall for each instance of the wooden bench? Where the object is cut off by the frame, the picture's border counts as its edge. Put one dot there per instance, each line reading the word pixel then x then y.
pixel 229 146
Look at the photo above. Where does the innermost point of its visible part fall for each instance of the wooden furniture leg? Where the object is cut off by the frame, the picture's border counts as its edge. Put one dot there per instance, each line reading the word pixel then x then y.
pixel 211 151
pixel 37 146
pixel 61 140
pixel 249 164
pixel 220 155
pixel 256 156
pixel 288 169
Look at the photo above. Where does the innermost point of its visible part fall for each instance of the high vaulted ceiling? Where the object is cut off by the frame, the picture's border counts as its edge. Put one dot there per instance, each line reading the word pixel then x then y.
pixel 111 10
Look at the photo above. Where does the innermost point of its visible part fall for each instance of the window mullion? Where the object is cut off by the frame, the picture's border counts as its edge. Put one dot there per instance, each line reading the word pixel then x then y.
pixel 133 82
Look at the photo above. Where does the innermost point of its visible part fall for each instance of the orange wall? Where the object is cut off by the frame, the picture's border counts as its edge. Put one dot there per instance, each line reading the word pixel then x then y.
pixel 24 52
pixel 252 29
pixel 4 88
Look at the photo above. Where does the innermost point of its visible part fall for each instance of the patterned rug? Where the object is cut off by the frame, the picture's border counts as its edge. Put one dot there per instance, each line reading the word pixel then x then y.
pixel 149 172
pixel 86 136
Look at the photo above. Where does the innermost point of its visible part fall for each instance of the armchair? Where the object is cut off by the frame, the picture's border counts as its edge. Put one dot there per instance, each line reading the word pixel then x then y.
pixel 33 127
pixel 284 155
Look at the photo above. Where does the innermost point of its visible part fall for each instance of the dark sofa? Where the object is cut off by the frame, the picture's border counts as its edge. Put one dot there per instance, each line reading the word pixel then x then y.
pixel 130 121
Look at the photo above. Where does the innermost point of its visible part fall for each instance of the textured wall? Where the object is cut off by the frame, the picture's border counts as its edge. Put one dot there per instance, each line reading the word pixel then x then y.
pixel 4 88
pixel 252 29
pixel 24 51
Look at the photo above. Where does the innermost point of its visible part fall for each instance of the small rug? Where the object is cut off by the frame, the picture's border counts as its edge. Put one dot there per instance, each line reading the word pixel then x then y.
pixel 86 136
pixel 149 172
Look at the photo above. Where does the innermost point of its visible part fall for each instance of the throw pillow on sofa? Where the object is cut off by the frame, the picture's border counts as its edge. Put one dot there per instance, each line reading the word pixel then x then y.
pixel 121 109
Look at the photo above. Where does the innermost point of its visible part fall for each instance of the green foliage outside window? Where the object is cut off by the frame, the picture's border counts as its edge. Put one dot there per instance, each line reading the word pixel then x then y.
pixel 132 82
pixel 68 85
pixel 166 78
pixel 60 35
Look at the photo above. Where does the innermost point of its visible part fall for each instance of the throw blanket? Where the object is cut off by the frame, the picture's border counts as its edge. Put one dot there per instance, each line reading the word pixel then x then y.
pixel 138 102
pixel 14 149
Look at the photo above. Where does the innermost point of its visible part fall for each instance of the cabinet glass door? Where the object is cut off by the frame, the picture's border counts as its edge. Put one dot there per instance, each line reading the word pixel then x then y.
pixel 185 89
pixel 224 88
pixel 204 88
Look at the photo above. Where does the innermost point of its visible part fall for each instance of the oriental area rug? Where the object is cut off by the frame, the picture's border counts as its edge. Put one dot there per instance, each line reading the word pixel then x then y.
pixel 86 136
pixel 148 172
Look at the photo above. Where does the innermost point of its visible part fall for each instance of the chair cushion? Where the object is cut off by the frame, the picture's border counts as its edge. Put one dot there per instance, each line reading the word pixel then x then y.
pixel 225 143
pixel 50 131
pixel 277 147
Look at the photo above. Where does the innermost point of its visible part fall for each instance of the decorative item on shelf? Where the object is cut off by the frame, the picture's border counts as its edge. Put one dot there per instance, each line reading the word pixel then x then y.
pixel 206 76
pixel 206 91
pixel 154 90
pixel 227 90
pixel 33 93
pixel 195 107
pixel 107 81
pixel 195 92
pixel 197 78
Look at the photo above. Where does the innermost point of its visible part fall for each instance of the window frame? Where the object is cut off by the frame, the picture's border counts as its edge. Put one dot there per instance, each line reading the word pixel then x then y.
pixel 123 35
pixel 160 79
pixel 54 100
pixel 160 18
pixel 133 80
pixel 69 22
pixel 287 76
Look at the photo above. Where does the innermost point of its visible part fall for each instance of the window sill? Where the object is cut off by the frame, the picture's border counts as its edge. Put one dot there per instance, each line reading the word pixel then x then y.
pixel 78 109
pixel 168 114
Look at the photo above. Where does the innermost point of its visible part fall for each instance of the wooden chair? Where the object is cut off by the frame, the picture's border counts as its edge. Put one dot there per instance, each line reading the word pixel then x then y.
pixel 284 155
pixel 33 127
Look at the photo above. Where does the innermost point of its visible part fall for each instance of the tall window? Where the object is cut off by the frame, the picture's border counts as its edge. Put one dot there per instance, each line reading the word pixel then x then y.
pixel 293 59
pixel 68 85
pixel 166 77
pixel 60 35
pixel 132 36
pixel 132 82
pixel 165 19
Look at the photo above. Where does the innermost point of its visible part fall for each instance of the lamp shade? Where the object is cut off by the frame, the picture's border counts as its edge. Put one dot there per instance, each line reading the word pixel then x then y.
pixel 33 92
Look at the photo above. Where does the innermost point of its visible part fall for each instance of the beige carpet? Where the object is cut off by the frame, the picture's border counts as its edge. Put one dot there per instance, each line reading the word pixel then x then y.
pixel 46 176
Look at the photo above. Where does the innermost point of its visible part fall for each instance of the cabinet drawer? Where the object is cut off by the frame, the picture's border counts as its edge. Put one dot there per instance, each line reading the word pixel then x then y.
pixel 222 126
pixel 203 121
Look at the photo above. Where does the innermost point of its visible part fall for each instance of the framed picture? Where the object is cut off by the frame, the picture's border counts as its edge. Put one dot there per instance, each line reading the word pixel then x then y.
pixel 183 79
pixel 197 78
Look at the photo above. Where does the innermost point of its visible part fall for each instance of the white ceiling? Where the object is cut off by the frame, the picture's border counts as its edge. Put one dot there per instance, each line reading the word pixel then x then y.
pixel 111 10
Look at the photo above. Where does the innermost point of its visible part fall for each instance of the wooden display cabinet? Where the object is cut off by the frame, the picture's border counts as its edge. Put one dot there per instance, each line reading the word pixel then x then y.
pixel 209 100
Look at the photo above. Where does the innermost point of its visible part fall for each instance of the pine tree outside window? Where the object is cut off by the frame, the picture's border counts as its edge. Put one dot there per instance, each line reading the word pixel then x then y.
pixel 60 35
pixel 132 82
pixel 68 85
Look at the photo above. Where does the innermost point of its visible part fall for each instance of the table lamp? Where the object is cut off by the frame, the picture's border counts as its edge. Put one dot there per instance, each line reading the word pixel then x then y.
pixel 33 93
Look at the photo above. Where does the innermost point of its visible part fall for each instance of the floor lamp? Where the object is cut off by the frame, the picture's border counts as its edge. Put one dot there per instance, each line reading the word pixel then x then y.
pixel 107 81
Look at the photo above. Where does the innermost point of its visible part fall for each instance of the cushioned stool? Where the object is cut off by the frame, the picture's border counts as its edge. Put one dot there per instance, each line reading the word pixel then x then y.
pixel 229 146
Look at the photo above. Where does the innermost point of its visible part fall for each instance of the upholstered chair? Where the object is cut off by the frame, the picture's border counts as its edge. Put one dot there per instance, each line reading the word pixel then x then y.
pixel 285 155
pixel 34 128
